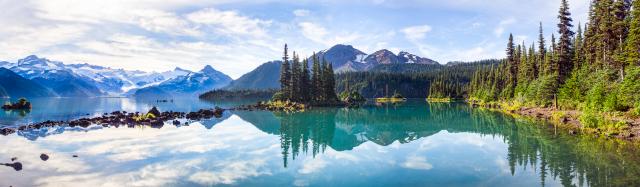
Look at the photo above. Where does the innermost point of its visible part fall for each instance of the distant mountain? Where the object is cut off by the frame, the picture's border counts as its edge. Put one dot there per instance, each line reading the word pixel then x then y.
pixel 117 81
pixel 194 83
pixel 406 68
pixel 344 58
pixel 5 64
pixel 347 58
pixel 382 57
pixel 56 77
pixel 265 76
pixel 14 85
pixel 409 58
pixel 86 80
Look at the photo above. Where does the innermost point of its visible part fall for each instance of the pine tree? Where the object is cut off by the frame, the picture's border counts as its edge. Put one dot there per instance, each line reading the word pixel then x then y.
pixel 306 82
pixel 542 52
pixel 330 84
pixel 315 79
pixel 285 75
pixel 578 55
pixel 512 67
pixel 565 46
pixel 620 31
pixel 296 79
pixel 632 50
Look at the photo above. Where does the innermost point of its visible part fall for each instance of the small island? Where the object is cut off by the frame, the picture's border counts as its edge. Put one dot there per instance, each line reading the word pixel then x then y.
pixel 302 86
pixel 396 97
pixel 22 104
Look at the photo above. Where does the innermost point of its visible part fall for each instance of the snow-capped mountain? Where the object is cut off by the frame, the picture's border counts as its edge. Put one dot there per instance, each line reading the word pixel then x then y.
pixel 86 80
pixel 5 64
pixel 117 81
pixel 193 83
pixel 409 58
pixel 56 77
pixel 347 58
pixel 382 57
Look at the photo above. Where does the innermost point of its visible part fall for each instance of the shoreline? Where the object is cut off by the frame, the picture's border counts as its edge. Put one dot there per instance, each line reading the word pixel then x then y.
pixel 570 119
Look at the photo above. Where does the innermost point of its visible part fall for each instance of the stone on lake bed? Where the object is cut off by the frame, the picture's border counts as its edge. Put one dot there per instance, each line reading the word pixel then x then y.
pixel 16 165
pixel 44 157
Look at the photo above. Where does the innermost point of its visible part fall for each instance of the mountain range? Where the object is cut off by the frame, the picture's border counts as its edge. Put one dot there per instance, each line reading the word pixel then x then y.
pixel 344 58
pixel 33 76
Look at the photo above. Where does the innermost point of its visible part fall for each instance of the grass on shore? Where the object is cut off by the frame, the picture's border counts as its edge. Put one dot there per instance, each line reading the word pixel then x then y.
pixel 601 123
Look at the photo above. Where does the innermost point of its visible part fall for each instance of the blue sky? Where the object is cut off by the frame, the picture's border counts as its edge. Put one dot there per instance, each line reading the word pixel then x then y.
pixel 235 36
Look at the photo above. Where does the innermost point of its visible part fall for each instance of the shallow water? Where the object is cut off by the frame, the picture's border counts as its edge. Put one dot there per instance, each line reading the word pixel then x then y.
pixel 73 108
pixel 407 144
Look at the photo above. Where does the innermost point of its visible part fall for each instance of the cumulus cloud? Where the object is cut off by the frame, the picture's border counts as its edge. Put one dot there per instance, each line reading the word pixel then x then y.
pixel 301 12
pixel 416 32
pixel 417 162
pixel 501 26
pixel 229 22
pixel 319 34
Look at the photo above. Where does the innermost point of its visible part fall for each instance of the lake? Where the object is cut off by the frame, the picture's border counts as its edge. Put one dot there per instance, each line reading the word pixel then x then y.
pixel 414 143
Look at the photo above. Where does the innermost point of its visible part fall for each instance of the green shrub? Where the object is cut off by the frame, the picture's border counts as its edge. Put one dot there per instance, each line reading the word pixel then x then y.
pixel 590 120
pixel 278 96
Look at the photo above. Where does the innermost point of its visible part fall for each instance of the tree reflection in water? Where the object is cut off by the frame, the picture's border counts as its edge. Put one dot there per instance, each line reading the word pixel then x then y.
pixel 575 160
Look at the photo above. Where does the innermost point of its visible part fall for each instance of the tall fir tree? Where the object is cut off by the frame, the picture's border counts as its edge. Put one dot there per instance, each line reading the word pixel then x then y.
pixel 542 52
pixel 620 30
pixel 512 67
pixel 632 49
pixel 315 78
pixel 306 81
pixel 296 79
pixel 565 46
pixel 578 54
pixel 330 84
pixel 285 75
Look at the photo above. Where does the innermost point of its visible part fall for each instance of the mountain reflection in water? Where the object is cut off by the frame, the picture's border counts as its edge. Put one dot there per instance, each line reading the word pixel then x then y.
pixel 413 143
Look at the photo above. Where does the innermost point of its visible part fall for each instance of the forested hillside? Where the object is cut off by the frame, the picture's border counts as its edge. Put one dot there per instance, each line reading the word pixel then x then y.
pixel 592 68
pixel 412 81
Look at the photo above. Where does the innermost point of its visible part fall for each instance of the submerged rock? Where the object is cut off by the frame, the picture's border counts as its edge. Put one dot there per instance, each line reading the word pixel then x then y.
pixel 44 157
pixel 7 131
pixel 16 165
pixel 154 111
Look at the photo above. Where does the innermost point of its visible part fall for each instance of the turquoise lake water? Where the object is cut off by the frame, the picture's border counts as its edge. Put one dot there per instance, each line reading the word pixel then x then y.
pixel 406 144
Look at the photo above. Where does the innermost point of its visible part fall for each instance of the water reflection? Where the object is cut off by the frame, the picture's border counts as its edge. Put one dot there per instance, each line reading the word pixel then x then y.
pixel 408 144
pixel 65 109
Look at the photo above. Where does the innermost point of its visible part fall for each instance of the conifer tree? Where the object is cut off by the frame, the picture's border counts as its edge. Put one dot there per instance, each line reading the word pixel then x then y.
pixel 296 79
pixel 330 83
pixel 285 75
pixel 512 67
pixel 565 46
pixel 578 55
pixel 632 49
pixel 306 81
pixel 542 52
pixel 315 78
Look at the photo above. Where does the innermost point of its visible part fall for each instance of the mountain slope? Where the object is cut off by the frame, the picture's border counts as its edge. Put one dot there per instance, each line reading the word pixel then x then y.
pixel 13 85
pixel 265 76
pixel 191 84
pixel 56 77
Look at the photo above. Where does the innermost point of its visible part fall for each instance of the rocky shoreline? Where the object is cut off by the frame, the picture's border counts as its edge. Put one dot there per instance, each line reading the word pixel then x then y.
pixel 570 119
pixel 153 118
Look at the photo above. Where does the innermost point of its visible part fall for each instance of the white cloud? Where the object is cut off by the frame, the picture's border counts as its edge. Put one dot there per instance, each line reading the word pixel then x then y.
pixel 319 34
pixel 417 162
pixel 312 165
pixel 301 12
pixel 501 26
pixel 230 22
pixel 416 32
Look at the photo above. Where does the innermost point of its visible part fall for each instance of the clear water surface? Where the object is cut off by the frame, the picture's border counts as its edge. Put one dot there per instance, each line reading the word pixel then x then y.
pixel 407 144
